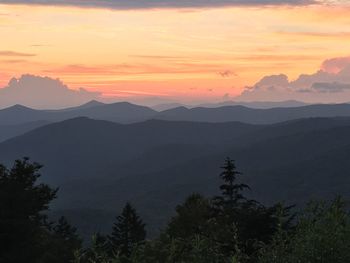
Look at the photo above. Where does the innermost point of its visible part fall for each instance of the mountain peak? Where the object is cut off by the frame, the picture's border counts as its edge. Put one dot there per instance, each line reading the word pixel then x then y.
pixel 18 107
pixel 91 103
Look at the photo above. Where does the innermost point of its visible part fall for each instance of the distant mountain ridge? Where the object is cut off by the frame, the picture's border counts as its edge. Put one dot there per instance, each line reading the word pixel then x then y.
pixel 254 116
pixel 249 104
pixel 124 112
pixel 10 131
pixel 96 163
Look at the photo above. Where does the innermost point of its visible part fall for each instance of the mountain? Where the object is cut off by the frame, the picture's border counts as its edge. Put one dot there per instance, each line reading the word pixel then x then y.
pixel 249 104
pixel 168 106
pixel 122 112
pixel 256 104
pixel 99 165
pixel 85 145
pixel 10 131
pixel 90 104
pixel 254 116
pixel 19 114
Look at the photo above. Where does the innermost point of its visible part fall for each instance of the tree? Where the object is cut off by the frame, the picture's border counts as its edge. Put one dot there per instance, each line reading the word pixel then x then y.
pixel 192 218
pixel 250 220
pixel 97 252
pixel 128 232
pixel 61 242
pixel 22 203
pixel 231 190
pixel 322 234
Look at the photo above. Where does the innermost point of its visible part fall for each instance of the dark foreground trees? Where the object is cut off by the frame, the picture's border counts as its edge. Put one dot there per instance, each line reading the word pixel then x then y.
pixel 226 228
pixel 128 232
pixel 128 235
pixel 322 234
pixel 26 235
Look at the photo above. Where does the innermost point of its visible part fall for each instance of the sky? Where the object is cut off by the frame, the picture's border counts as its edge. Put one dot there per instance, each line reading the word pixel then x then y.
pixel 187 51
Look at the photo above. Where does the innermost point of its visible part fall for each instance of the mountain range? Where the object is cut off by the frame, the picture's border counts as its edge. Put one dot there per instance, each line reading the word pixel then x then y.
pixel 99 165
pixel 249 104
pixel 124 112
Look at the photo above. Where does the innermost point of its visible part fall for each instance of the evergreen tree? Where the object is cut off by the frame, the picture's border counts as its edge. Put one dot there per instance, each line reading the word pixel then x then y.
pixel 231 190
pixel 128 232
pixel 65 231
pixel 252 221
pixel 22 203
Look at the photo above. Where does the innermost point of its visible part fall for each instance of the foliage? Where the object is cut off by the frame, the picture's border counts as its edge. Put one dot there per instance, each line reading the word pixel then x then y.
pixel 128 232
pixel 25 233
pixel 231 190
pixel 225 229
pixel 321 235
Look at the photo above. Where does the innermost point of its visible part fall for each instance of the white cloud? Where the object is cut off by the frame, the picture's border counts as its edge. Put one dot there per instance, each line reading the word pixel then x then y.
pixel 329 84
pixel 42 92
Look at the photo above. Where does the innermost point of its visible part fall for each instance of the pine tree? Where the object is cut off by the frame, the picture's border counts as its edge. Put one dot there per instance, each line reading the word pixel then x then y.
pixel 128 232
pixel 231 190
pixel 64 230
pixel 68 237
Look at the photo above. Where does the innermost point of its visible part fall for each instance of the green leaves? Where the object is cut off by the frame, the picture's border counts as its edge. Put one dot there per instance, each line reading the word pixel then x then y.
pixel 322 234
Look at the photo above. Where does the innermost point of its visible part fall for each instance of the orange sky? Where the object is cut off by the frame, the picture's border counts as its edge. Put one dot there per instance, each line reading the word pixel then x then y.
pixel 184 53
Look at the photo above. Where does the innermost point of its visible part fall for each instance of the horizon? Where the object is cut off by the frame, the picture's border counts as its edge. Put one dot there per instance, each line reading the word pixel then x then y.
pixel 175 104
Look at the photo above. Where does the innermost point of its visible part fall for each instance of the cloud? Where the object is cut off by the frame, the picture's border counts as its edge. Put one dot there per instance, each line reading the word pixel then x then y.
pixel 124 69
pixel 315 34
pixel 142 4
pixel 274 80
pixel 326 87
pixel 226 96
pixel 42 92
pixel 335 65
pixel 13 61
pixel 227 73
pixel 331 83
pixel 15 54
pixel 158 57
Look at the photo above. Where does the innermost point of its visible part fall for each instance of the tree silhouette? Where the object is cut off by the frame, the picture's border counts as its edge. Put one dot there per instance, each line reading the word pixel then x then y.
pixel 128 232
pixel 192 218
pixel 231 190
pixel 61 242
pixel 22 203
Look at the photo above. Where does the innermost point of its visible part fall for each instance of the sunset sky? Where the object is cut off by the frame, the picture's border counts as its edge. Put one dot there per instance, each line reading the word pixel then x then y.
pixel 186 50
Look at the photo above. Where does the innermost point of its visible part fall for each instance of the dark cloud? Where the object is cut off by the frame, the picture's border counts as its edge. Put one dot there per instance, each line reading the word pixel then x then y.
pixel 6 53
pixel 227 73
pixel 42 92
pixel 334 87
pixel 140 4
